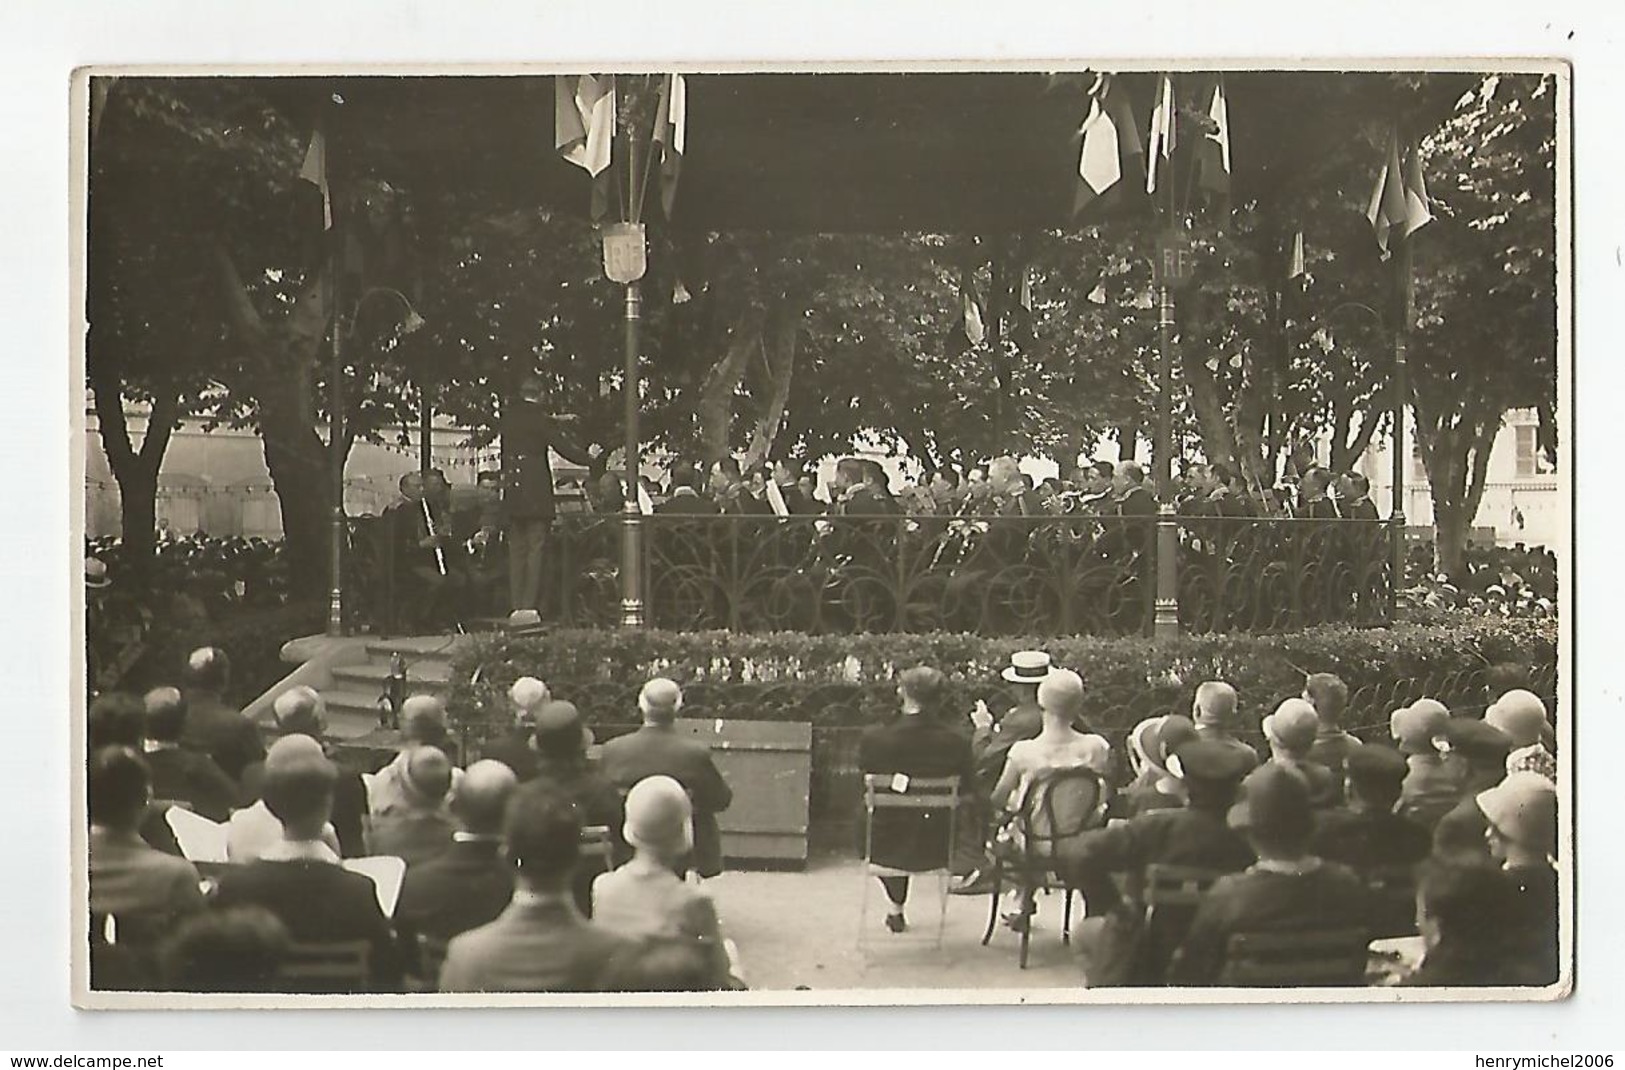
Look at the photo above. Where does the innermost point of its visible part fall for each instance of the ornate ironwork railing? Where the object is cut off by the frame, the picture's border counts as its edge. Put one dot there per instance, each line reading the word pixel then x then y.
pixel 1251 575
pixel 992 575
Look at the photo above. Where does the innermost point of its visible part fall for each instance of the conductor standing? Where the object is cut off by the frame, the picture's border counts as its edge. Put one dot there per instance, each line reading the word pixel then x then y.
pixel 528 431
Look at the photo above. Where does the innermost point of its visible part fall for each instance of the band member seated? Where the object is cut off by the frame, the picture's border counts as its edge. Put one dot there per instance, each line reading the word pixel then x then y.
pixel 431 564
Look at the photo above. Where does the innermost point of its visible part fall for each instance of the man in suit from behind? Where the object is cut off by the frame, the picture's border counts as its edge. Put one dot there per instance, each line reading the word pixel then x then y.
pixel 300 879
pixel 686 499
pixel 470 883
pixel 540 942
pixel 182 775
pixel 657 750
pixel 212 725
pixel 144 889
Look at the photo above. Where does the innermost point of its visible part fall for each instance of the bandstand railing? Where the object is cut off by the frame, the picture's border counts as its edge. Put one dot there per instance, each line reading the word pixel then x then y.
pixel 1056 575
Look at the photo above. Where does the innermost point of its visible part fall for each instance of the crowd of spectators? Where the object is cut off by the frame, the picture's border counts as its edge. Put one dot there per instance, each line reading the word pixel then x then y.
pixel 538 868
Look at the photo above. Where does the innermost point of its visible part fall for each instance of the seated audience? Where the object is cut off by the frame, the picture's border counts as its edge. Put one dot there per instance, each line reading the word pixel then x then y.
pixel 417 828
pixel 300 879
pixel 644 898
pixel 145 890
pixel 1286 890
pixel 234 950
pixel 656 749
pixel 1214 714
pixel 1522 716
pixel 1366 833
pixel 540 943
pixel 423 724
pixel 115 719
pixel 526 696
pixel 213 725
pixel 1431 788
pixel 301 710
pixel 1329 695
pixel 1194 835
pixel 915 744
pixel 561 740
pixel 1290 732
pixel 1520 814
pixel 1468 916
pixel 254 830
pixel 181 775
pixel 470 883
pixel 1478 751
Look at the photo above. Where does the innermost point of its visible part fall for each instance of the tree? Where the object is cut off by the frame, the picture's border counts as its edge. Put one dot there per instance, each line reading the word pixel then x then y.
pixel 1485 292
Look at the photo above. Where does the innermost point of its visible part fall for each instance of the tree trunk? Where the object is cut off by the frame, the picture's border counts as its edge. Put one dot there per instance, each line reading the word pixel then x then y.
pixel 779 342
pixel 136 472
pixel 716 403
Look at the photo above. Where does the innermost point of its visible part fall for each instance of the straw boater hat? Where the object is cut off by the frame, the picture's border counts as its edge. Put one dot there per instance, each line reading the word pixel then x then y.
pixel 525 622
pixel 96 574
pixel 1027 667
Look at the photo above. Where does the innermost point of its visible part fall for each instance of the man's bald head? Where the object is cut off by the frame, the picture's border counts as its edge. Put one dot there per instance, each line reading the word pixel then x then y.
pixel 660 700
pixel 428 775
pixel 301 709
pixel 1215 705
pixel 482 797
pixel 291 750
pixel 423 720
pixel 528 695
pixel 1061 694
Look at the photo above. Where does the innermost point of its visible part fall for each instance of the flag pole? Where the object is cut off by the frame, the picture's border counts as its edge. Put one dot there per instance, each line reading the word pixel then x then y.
pixel 1404 302
pixel 632 615
pixel 335 403
pixel 1165 610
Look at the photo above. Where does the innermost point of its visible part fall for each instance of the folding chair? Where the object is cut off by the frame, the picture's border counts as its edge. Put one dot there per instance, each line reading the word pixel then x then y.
pixel 1169 897
pixel 1321 958
pixel 595 844
pixel 1042 831
pixel 343 966
pixel 919 793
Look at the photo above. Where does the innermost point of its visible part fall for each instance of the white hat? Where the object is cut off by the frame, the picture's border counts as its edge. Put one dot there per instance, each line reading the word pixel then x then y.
pixel 1523 808
pixel 1027 667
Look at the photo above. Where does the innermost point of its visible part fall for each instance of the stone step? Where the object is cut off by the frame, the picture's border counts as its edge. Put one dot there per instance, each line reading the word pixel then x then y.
pixel 427 675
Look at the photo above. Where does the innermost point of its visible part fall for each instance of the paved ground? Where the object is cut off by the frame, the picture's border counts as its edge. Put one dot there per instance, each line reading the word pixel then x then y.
pixel 801 929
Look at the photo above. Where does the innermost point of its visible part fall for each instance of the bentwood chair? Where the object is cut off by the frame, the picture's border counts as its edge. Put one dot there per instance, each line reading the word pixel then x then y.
pixel 1302 959
pixel 895 792
pixel 343 966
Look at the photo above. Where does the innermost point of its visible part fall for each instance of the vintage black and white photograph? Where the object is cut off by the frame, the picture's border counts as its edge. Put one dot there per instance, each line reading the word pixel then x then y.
pixel 1089 533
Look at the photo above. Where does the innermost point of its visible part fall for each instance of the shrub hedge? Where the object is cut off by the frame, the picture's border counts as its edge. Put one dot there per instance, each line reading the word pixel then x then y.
pixel 835 681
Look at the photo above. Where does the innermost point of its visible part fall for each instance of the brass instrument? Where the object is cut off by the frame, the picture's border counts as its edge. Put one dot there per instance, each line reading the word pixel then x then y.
pixel 428 522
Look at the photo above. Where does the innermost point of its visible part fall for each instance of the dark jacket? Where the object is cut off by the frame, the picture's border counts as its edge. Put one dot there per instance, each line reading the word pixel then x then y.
pixel 916 746
pixel 223 733
pixel 320 903
pixel 514 751
pixel 1137 502
pixel 1536 937
pixel 1327 896
pixel 1459 835
pixel 990 748
pixel 1366 841
pixel 194 779
pixel 687 505
pixel 528 431
pixel 464 888
pixel 660 751
pixel 867 501
pixel 1500 965
pixel 533 947
pixel 597 802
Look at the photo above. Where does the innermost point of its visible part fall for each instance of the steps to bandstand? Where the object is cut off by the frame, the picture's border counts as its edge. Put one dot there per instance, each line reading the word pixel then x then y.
pixel 352 696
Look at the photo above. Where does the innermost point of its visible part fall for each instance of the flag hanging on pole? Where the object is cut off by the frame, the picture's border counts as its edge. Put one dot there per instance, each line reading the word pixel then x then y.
pixel 1025 295
pixel 314 171
pixel 975 329
pixel 1213 159
pixel 1110 141
pixel 584 120
pixel 1295 266
pixel 1399 203
pixel 671 133
pixel 1164 135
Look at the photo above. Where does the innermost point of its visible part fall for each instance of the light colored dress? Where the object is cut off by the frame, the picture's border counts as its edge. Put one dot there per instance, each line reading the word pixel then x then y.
pixel 1036 761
